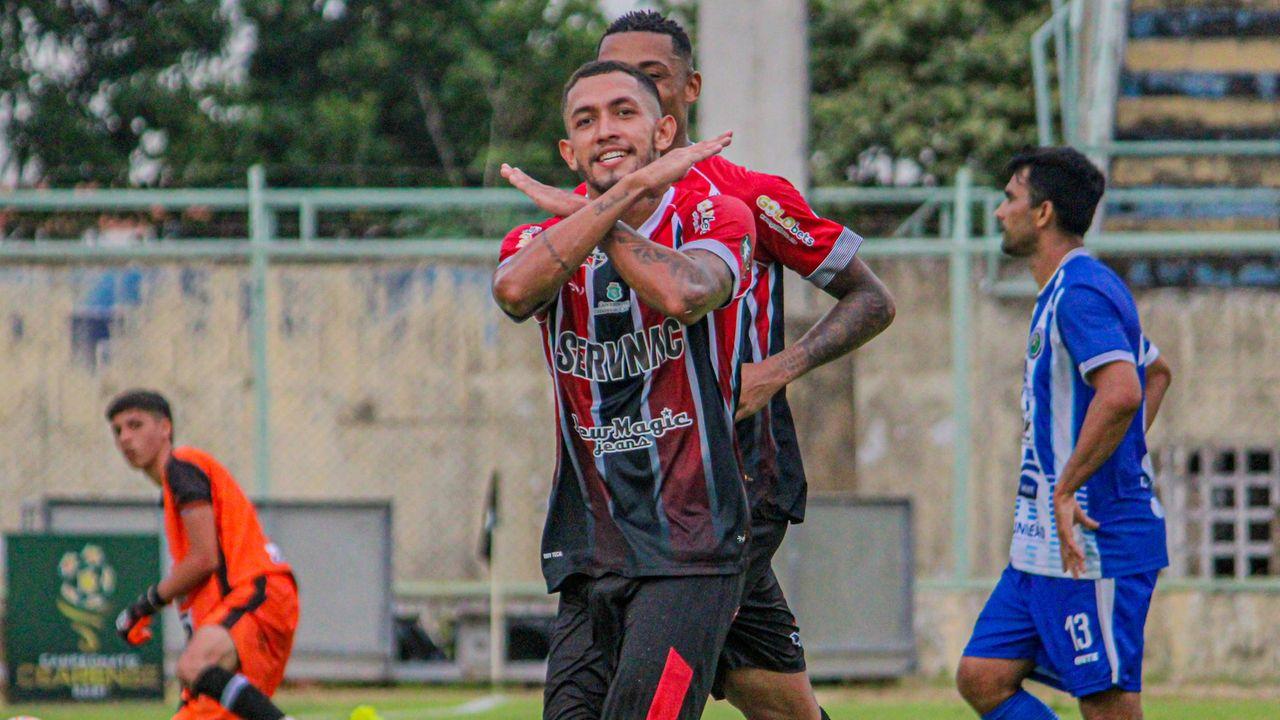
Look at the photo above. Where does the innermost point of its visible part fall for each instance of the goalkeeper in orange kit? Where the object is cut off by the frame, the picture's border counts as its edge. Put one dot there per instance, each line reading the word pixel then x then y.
pixel 237 597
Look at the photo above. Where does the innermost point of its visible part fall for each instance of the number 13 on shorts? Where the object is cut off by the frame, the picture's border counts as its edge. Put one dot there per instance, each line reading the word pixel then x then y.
pixel 1077 627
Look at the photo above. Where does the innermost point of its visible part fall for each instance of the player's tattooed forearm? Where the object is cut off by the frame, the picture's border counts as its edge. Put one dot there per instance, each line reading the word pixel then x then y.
pixel 605 204
pixel 564 267
pixel 857 318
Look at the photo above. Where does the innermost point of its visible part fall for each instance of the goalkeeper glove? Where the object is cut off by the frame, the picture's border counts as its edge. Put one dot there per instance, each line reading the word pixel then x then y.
pixel 147 604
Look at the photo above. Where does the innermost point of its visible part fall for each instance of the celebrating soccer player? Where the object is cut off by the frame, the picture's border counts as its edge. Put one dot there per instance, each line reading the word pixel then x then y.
pixel 638 298
pixel 238 599
pixel 1089 533
pixel 762 668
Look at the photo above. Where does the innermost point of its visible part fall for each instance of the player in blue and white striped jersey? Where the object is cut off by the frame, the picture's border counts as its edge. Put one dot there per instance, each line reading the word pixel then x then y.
pixel 1089 533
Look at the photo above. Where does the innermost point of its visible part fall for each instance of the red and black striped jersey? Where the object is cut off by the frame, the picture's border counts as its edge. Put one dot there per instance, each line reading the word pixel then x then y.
pixel 648 480
pixel 789 234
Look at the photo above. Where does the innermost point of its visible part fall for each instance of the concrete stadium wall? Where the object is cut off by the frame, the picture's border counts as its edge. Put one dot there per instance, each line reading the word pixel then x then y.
pixel 387 380
pixel 402 380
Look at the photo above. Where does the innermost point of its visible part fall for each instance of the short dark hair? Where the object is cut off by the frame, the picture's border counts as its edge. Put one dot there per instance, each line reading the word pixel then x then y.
pixel 604 67
pixel 1066 178
pixel 145 400
pixel 653 22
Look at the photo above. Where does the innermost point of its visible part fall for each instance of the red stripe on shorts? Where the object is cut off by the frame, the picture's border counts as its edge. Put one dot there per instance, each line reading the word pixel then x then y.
pixel 672 687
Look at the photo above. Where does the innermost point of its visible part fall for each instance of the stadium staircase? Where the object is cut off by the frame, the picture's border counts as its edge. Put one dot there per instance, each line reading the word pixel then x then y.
pixel 1199 70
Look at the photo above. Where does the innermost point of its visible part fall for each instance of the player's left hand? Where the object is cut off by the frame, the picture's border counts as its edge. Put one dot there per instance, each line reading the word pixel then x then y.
pixel 1068 514
pixel 758 387
pixel 676 163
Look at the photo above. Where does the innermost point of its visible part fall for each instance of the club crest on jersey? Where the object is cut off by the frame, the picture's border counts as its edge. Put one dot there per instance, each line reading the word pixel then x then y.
pixel 630 356
pixel 777 219
pixel 703 216
pixel 1036 343
pixel 624 434
pixel 614 304
pixel 528 234
pixel 596 259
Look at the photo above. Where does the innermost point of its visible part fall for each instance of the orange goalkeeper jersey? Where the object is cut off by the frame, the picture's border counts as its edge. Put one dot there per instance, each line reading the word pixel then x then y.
pixel 244 550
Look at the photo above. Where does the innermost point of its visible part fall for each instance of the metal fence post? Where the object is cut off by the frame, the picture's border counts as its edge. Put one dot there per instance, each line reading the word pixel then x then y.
pixel 960 272
pixel 259 237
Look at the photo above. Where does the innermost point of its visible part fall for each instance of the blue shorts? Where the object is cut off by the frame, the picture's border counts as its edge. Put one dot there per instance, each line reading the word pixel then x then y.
pixel 1085 636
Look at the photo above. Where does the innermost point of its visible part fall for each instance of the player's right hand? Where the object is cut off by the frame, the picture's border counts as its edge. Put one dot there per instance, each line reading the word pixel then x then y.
pixel 554 201
pixel 140 633
pixel 675 164
pixel 147 604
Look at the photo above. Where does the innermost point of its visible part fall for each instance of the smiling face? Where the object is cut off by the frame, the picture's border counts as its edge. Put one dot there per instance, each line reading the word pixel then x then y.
pixel 655 54
pixel 141 436
pixel 1018 217
pixel 615 127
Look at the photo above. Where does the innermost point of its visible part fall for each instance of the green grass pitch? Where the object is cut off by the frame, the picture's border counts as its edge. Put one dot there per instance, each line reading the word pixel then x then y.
pixel 907 702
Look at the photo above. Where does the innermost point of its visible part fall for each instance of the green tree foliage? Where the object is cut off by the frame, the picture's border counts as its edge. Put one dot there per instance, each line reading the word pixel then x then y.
pixel 404 92
pixel 376 90
pixel 323 91
pixel 91 89
pixel 948 81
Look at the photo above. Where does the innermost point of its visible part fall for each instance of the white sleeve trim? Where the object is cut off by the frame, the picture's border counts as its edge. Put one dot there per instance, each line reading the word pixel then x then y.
pixel 842 252
pixel 1105 358
pixel 717 248
pixel 1151 354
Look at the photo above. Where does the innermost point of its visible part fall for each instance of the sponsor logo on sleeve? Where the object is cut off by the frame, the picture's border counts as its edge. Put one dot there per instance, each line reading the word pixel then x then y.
pixel 703 216
pixel 788 227
pixel 528 234
pixel 1036 344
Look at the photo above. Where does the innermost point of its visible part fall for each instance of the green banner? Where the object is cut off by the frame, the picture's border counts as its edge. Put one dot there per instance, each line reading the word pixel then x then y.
pixel 60 641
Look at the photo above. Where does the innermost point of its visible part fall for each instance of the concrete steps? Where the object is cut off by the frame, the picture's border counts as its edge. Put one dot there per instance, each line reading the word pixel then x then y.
pixel 1199 70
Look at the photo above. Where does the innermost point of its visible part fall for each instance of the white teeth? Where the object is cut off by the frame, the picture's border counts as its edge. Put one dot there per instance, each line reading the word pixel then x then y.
pixel 611 155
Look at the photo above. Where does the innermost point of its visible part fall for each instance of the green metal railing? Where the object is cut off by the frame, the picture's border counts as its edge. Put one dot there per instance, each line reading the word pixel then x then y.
pixel 956 241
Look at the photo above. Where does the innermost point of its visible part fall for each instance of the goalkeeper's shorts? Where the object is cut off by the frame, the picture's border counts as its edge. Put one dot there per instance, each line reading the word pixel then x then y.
pixel 261 617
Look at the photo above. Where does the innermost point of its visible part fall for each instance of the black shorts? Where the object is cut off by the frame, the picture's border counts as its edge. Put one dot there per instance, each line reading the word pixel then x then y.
pixel 764 634
pixel 627 648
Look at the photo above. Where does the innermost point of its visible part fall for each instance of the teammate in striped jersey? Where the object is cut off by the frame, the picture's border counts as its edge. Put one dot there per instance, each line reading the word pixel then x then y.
pixel 1089 532
pixel 762 668
pixel 648 519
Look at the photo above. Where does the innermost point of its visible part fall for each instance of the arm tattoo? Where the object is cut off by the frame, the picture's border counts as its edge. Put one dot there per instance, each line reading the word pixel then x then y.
pixel 604 205
pixel 564 267
pixel 856 318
